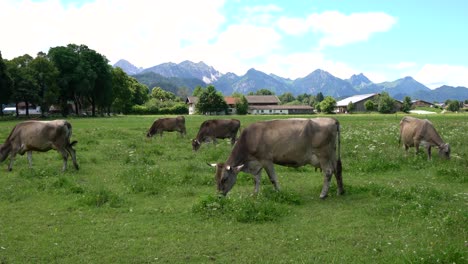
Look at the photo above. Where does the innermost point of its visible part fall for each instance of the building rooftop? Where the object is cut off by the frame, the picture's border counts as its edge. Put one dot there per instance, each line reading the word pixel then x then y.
pixel 355 99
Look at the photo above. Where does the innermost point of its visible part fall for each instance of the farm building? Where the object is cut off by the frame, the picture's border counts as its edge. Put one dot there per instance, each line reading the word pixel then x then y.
pixel 417 102
pixel 231 102
pixel 259 100
pixel 192 101
pixel 280 109
pixel 357 100
pixel 258 105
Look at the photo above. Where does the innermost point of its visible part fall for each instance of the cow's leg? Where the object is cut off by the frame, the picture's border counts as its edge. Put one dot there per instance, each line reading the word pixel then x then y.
pixel 233 140
pixel 12 159
pixel 428 149
pixel 339 178
pixel 327 175
pixel 270 169
pixel 416 146
pixel 73 155
pixel 30 159
pixel 406 149
pixel 65 158
pixel 256 170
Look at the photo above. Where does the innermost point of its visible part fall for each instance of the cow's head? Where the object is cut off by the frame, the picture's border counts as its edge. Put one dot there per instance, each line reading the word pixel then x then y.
pixel 195 144
pixel 444 151
pixel 226 176
pixel 4 151
pixel 151 131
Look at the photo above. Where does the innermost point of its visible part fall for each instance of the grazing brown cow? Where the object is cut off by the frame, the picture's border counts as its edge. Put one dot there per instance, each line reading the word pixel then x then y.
pixel 167 124
pixel 415 132
pixel 216 128
pixel 289 142
pixel 41 136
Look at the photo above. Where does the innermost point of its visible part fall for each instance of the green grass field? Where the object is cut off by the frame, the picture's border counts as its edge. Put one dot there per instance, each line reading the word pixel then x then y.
pixel 139 200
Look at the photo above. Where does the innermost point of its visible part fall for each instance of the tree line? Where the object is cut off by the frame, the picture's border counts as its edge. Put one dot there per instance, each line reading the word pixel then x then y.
pixel 72 78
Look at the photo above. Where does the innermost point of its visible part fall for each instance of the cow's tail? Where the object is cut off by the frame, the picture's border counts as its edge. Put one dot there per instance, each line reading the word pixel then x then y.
pixel 69 134
pixel 339 167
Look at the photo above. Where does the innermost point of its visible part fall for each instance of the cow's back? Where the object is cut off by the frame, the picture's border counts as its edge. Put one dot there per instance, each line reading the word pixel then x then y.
pixel 219 128
pixel 411 128
pixel 41 135
pixel 291 142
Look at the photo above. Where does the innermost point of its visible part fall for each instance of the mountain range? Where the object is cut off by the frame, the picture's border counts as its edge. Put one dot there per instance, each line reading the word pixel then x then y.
pixel 182 78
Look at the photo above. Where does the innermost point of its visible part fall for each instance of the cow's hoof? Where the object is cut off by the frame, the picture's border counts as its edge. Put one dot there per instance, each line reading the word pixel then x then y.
pixel 341 193
pixel 323 197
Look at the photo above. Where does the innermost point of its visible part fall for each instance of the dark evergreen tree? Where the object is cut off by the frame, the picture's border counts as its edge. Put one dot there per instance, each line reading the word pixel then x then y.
pixel 211 101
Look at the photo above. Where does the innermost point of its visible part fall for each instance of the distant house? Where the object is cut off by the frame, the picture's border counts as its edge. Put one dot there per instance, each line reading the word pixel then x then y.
pixel 191 101
pixel 231 102
pixel 280 109
pixel 258 104
pixel 357 100
pixel 417 102
pixel 258 100
pixel 32 109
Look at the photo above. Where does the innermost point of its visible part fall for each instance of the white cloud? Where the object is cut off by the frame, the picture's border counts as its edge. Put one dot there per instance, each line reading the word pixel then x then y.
pixel 293 26
pixel 434 76
pixel 339 29
pixel 144 32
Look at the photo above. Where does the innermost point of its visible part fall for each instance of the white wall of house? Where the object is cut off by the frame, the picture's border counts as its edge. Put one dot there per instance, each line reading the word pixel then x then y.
pixel 269 112
pixel 191 109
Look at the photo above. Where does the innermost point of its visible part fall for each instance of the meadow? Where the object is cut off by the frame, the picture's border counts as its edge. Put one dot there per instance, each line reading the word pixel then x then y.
pixel 139 200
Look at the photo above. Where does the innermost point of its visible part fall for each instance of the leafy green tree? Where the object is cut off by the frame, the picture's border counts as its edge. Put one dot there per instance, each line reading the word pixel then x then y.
pixel 198 91
pixel 305 99
pixel 70 76
pixel 211 101
pixel 369 105
pixel 242 106
pixel 6 84
pixel 317 107
pixel 139 92
pixel 385 103
pixel 350 107
pixel 286 98
pixel 123 97
pixel 264 92
pixel 406 104
pixel 162 95
pixel 96 85
pixel 46 74
pixel 328 105
pixel 25 87
pixel 453 105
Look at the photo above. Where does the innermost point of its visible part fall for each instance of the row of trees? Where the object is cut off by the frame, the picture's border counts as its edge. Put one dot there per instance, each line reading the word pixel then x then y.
pixel 75 75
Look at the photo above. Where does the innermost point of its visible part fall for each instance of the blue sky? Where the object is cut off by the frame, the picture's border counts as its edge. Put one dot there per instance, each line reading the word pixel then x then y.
pixel 385 40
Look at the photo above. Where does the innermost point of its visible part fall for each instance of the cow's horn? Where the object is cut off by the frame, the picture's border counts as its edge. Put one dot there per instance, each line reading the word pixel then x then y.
pixel 228 167
pixel 212 164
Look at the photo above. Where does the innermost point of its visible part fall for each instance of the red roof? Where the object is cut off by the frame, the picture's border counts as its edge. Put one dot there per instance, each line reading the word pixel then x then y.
pixel 230 100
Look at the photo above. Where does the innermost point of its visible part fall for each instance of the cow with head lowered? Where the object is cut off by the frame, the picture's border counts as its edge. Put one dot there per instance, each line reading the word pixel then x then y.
pixel 415 132
pixel 216 128
pixel 40 136
pixel 289 142
pixel 168 125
